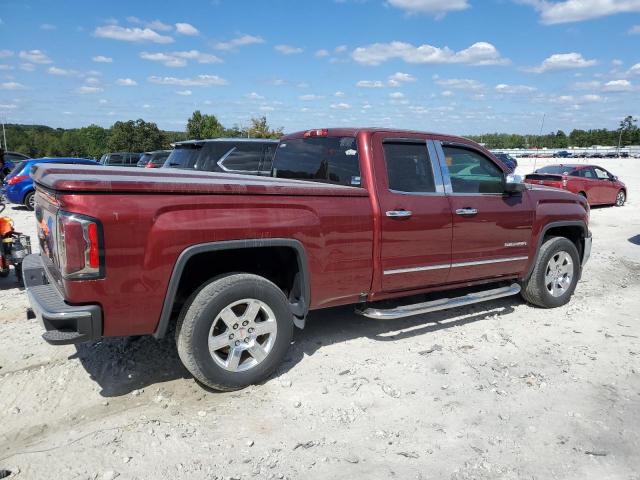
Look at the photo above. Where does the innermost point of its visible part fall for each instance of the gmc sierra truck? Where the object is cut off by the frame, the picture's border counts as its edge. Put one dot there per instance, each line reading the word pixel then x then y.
pixel 232 263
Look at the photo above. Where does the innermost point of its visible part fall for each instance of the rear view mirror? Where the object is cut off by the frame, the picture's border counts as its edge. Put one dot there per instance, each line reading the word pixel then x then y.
pixel 513 183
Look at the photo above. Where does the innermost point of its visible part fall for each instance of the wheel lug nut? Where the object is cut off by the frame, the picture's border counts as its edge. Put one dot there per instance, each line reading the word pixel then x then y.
pixel 251 330
pixel 235 326
pixel 237 342
pixel 246 340
pixel 245 323
pixel 231 337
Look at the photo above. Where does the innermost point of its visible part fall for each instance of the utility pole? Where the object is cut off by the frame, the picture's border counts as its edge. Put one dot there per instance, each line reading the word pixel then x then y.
pixel 4 134
pixel 619 141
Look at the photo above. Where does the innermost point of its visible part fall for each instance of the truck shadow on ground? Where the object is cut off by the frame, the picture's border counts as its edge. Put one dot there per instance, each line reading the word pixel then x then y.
pixel 10 281
pixel 122 365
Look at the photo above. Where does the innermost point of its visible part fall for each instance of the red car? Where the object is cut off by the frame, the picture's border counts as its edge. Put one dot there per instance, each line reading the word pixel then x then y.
pixel 597 185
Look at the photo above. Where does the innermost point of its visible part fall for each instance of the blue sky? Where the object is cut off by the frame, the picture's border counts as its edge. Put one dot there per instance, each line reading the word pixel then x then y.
pixel 456 66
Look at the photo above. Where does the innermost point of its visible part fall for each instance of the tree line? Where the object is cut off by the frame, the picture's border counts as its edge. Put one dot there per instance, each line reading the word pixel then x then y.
pixel 140 136
pixel 130 136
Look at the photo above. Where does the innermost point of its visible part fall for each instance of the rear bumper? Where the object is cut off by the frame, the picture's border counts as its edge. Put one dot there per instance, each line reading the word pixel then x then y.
pixel 63 323
pixel 586 251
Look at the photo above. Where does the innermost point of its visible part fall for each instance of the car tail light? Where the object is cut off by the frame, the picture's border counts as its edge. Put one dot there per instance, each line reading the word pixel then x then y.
pixel 80 246
pixel 16 179
pixel 321 132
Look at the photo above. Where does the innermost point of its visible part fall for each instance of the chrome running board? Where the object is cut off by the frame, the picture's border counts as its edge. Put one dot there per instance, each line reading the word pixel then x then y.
pixel 441 304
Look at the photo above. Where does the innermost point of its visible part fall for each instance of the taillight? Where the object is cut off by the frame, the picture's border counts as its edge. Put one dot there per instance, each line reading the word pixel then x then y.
pixel 321 132
pixel 16 179
pixel 80 246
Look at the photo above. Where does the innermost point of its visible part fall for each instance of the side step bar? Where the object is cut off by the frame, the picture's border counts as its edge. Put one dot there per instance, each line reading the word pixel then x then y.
pixel 441 304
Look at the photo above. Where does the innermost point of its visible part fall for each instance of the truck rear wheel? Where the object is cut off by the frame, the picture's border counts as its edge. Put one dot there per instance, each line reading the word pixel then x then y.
pixel 554 275
pixel 234 331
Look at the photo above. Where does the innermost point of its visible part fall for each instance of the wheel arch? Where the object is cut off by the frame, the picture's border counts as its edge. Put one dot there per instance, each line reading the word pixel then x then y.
pixel 574 230
pixel 300 280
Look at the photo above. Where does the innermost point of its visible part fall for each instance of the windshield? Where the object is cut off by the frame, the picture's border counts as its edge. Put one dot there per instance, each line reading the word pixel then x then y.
pixel 555 169
pixel 144 159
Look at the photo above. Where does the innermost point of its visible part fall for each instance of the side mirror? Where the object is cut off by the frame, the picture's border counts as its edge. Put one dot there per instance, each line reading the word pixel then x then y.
pixel 513 183
pixel 613 178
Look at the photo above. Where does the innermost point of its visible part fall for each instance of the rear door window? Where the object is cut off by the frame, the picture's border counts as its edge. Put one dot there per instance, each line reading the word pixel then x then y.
pixel 116 159
pixel 244 157
pixel 267 160
pixel 319 159
pixel 587 173
pixel 408 167
pixel 601 173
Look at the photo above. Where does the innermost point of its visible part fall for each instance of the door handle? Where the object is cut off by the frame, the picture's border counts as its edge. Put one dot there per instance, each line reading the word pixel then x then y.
pixel 466 211
pixel 399 213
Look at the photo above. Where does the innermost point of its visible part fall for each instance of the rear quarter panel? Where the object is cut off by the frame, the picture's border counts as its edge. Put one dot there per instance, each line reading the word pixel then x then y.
pixel 145 234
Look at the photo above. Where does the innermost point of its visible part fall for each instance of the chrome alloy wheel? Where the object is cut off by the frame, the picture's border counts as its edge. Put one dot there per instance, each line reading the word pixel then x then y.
pixel 559 273
pixel 242 335
pixel 620 198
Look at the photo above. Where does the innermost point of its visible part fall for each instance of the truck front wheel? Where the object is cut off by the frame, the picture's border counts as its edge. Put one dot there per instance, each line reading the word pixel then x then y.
pixel 234 331
pixel 554 275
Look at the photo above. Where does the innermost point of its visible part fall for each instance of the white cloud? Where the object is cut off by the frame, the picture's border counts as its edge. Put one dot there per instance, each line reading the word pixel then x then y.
pixel 154 24
pixel 135 34
pixel 47 26
pixel 635 70
pixel 338 94
pixel 591 98
pixel 322 53
pixel 514 89
pixel 447 93
pixel 184 93
pixel 6 53
pixel 187 29
pixel 578 10
pixel 370 84
pixel 396 95
pixel 8 106
pixel 635 30
pixel 562 61
pixel 340 106
pixel 60 71
pixel 459 83
pixel 11 86
pixel 266 108
pixel 126 82
pixel 102 59
pixel 238 42
pixel 618 86
pixel 254 96
pixel 433 7
pixel 586 85
pixel 480 53
pixel 399 77
pixel 6 67
pixel 288 49
pixel 87 89
pixel 179 59
pixel 199 81
pixel 309 97
pixel 35 56
pixel 102 101
pixel 340 49
pixel 27 67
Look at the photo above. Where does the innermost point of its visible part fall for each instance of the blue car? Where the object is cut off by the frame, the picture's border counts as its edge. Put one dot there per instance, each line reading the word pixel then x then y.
pixel 18 185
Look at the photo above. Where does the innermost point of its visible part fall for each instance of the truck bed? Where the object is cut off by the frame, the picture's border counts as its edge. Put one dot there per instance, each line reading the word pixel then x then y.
pixel 79 178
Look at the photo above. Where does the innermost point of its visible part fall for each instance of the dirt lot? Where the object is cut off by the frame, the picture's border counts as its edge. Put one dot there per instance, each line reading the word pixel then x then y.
pixel 497 390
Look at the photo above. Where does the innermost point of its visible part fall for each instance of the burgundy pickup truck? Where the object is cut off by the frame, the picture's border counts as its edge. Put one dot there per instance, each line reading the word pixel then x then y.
pixel 350 216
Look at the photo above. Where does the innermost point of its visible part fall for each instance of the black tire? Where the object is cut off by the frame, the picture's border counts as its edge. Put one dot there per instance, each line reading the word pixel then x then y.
pixel 584 195
pixel 18 269
pixel 534 290
pixel 621 197
pixel 201 310
pixel 28 200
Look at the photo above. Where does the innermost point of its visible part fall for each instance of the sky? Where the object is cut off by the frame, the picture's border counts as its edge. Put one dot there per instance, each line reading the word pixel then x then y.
pixel 451 66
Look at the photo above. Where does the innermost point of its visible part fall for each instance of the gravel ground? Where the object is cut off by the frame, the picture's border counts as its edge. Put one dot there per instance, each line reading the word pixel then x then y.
pixel 498 390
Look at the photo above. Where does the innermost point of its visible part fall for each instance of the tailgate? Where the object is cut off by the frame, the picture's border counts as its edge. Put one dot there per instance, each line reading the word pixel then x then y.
pixel 46 211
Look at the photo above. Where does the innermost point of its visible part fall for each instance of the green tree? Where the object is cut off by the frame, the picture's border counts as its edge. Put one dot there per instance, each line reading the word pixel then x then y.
pixel 260 129
pixel 201 126
pixel 135 136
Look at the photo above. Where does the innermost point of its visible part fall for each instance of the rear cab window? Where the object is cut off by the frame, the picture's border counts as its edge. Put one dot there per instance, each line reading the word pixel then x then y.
pixel 332 160
pixel 409 168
